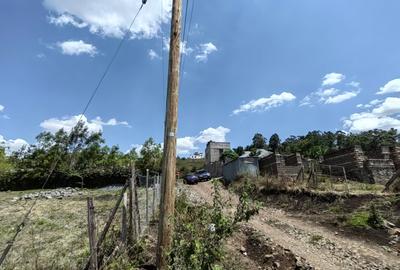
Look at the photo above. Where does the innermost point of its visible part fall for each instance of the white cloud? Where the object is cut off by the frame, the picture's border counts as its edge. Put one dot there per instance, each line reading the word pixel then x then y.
pixel 383 116
pixel 213 134
pixel 77 47
pixel 12 145
pixel 327 92
pixel 188 144
pixel 266 103
pixel 205 50
pixel 111 18
pixel 138 148
pixel 341 97
pixel 67 123
pixel 354 84
pixel 391 87
pixel 332 95
pixel 390 106
pixel 65 19
pixel 153 55
pixel 1 108
pixel 40 55
pixel 332 78
pixel 110 122
pixel 183 47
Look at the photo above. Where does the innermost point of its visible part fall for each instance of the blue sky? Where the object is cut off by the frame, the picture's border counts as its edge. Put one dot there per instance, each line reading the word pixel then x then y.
pixel 264 66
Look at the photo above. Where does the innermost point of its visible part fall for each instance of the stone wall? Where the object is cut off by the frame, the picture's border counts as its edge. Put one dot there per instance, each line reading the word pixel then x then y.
pixel 293 160
pixel 370 167
pixel 395 156
pixel 381 170
pixel 279 165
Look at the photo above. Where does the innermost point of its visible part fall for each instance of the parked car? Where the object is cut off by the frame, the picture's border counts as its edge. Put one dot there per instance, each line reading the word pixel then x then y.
pixel 191 178
pixel 203 175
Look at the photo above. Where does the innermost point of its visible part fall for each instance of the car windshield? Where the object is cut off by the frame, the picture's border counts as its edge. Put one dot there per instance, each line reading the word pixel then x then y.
pixel 201 171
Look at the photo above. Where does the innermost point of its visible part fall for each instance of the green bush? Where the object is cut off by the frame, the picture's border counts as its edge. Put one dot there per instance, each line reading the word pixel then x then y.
pixel 366 219
pixel 200 230
pixel 375 220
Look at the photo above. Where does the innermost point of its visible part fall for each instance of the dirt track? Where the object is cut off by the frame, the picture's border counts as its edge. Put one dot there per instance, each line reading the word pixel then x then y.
pixel 322 248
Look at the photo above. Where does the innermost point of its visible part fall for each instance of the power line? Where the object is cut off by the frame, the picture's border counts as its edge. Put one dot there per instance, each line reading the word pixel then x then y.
pixel 57 160
pixel 162 56
pixel 183 38
pixel 186 42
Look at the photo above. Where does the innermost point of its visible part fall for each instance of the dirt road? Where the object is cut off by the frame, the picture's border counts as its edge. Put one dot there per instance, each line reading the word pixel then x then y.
pixel 321 247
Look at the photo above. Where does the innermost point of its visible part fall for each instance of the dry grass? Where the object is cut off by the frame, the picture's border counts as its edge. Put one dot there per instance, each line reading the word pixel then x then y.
pixel 325 184
pixel 55 236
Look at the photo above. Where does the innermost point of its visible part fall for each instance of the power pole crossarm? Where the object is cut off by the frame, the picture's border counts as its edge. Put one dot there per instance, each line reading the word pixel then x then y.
pixel 167 205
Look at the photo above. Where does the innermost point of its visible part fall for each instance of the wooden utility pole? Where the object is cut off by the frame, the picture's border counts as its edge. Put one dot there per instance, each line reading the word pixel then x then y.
pixel 167 205
pixel 92 235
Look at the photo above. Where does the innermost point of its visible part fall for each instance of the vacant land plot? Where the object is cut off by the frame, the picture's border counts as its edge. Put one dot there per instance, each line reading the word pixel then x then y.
pixel 55 236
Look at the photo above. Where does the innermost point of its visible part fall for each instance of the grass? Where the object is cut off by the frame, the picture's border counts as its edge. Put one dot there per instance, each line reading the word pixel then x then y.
pixel 55 236
pixel 359 219
pixel 315 238
pixel 187 165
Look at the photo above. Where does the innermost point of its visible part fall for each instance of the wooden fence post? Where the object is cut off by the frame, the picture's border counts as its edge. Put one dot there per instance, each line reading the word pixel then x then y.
pixel 124 220
pixel 345 179
pixel 154 199
pixel 147 197
pixel 92 234
pixel 132 227
pixel 137 212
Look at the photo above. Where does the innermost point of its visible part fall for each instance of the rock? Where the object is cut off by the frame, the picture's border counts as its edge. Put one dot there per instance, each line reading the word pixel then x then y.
pixel 268 256
pixel 276 264
pixel 388 224
pixel 242 249
pixel 395 231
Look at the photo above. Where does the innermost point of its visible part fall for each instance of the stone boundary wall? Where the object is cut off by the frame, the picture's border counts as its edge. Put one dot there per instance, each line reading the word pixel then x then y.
pixel 293 160
pixel 278 165
pixel 370 167
pixel 395 156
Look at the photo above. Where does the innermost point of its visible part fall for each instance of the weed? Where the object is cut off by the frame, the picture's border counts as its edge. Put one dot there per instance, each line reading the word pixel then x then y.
pixel 375 220
pixel 200 230
pixel 359 219
pixel 315 238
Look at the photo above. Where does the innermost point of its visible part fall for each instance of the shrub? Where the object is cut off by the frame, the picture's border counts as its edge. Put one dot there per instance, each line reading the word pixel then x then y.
pixel 375 220
pixel 200 230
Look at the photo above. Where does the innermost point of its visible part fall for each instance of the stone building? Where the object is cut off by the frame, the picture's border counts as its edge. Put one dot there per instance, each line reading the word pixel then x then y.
pixel 281 165
pixel 213 155
pixel 370 167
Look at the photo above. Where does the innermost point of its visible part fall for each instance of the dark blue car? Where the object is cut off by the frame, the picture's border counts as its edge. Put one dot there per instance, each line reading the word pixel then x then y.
pixel 203 175
pixel 191 178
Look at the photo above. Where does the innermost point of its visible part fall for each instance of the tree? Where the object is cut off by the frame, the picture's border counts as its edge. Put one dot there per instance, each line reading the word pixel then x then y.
pixel 239 150
pixel 228 155
pixel 259 141
pixel 150 156
pixel 274 142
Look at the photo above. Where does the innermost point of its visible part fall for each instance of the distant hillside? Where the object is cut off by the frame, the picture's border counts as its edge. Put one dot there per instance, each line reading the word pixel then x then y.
pixel 185 165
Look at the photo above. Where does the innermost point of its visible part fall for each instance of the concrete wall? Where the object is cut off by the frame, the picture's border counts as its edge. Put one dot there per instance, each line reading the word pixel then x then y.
pixel 240 167
pixel 215 168
pixel 214 151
